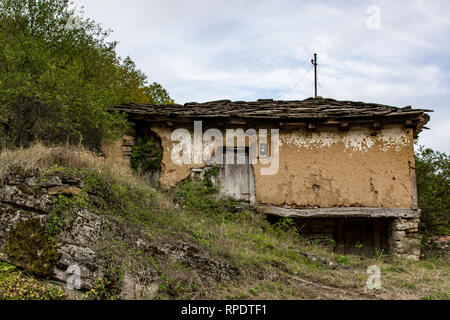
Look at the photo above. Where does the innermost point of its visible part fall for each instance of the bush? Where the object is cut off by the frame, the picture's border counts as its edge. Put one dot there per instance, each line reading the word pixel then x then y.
pixel 59 80
pixel 147 156
pixel 15 285
pixel 433 185
pixel 200 197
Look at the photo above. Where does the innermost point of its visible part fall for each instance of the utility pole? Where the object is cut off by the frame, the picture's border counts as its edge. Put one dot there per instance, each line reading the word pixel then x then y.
pixel 314 62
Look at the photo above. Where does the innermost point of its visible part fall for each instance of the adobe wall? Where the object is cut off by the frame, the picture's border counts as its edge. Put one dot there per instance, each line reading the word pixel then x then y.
pixel 120 151
pixel 358 167
pixel 325 168
pixel 333 168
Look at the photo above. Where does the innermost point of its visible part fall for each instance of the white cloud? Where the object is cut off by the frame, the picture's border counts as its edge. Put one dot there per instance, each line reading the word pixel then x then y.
pixel 246 50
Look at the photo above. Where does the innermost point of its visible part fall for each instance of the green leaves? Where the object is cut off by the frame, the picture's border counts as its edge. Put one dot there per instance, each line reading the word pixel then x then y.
pixel 58 81
pixel 433 185
pixel 146 156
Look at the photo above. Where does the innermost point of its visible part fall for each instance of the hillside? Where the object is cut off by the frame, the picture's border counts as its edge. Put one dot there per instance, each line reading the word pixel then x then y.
pixel 64 206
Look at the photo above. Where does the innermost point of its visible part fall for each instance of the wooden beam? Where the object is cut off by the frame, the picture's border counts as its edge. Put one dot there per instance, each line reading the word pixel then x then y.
pixel 344 125
pixel 339 236
pixel 352 212
pixel 412 175
pixel 332 121
pixel 296 124
pixel 237 121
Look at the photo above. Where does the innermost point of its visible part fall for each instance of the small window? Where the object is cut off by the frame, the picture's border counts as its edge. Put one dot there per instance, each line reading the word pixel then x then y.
pixel 263 150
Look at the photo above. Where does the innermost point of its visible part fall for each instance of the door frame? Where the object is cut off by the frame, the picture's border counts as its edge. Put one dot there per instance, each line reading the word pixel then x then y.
pixel 251 176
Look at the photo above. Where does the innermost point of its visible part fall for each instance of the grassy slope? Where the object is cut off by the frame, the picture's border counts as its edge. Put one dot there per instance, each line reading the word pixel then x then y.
pixel 266 256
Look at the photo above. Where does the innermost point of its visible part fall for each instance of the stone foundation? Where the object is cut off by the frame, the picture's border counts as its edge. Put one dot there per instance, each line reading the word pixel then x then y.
pixel 128 142
pixel 404 239
pixel 364 236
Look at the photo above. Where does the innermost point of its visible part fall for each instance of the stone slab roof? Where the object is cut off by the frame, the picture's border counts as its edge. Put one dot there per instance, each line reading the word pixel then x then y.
pixel 308 110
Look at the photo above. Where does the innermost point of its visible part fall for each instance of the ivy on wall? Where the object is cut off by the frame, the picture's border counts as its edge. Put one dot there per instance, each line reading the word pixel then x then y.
pixel 146 155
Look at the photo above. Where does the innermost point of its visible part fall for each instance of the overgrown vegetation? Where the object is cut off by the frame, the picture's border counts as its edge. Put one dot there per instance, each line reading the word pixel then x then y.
pixel 146 156
pixel 107 287
pixel 266 256
pixel 433 185
pixel 59 76
pixel 15 285
pixel 29 246
pixel 61 216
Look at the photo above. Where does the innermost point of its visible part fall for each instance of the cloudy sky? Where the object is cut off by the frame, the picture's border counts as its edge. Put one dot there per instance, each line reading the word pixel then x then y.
pixel 390 52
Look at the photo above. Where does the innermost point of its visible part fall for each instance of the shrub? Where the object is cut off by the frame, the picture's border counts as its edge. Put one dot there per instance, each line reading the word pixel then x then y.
pixel 433 186
pixel 59 82
pixel 146 156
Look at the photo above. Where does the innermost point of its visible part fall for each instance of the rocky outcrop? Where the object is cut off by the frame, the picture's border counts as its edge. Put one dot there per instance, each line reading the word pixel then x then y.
pixel 89 244
pixel 25 199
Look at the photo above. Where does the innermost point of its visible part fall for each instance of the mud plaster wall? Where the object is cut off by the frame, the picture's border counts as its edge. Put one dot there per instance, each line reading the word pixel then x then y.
pixel 113 151
pixel 171 173
pixel 325 168
pixel 119 151
pixel 331 168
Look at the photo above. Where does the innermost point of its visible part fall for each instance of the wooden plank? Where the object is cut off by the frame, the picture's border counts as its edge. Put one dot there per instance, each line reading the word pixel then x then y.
pixel 339 236
pixel 251 179
pixel 377 231
pixel 415 201
pixel 362 212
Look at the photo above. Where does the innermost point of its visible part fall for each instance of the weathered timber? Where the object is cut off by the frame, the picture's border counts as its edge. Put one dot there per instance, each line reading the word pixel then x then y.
pixel 320 110
pixel 353 212
pixel 415 200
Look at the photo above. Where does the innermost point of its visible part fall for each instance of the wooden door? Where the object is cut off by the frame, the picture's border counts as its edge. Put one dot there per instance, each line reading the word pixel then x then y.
pixel 236 179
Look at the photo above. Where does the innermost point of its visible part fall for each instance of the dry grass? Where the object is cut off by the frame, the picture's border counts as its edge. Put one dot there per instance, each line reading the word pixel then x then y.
pixel 265 256
pixel 39 156
pixel 425 279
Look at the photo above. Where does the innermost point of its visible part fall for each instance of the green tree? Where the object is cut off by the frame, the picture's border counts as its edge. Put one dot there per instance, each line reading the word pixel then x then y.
pixel 132 86
pixel 433 185
pixel 59 76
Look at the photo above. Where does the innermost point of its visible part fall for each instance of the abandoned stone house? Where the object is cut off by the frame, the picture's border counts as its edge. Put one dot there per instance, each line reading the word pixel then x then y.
pixel 344 170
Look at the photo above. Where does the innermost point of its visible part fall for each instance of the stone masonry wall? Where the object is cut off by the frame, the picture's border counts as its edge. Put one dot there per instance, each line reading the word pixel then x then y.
pixel 403 237
pixel 120 151
pixel 404 240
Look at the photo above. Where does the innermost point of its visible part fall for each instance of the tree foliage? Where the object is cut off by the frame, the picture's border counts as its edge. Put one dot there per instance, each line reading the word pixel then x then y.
pixel 59 76
pixel 147 155
pixel 433 185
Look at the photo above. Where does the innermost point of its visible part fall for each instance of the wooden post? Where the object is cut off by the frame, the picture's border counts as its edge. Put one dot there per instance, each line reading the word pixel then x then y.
pixel 415 201
pixel 339 236
pixel 314 62
pixel 377 231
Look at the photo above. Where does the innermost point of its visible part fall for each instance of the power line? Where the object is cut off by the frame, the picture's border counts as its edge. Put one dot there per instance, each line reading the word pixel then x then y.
pixel 318 80
pixel 296 84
